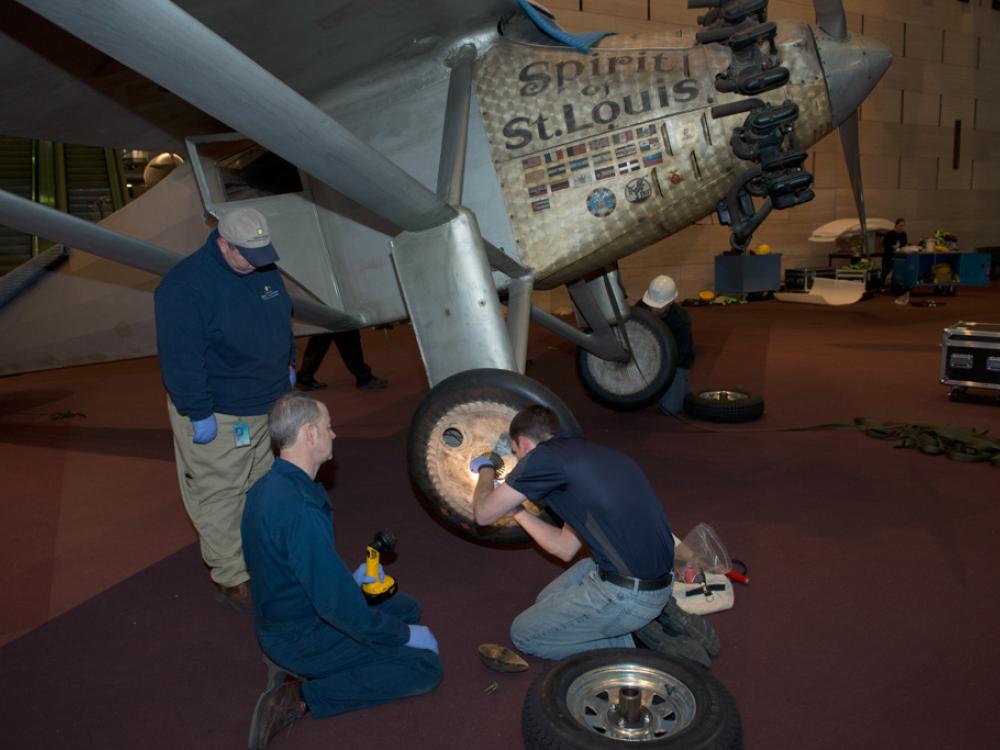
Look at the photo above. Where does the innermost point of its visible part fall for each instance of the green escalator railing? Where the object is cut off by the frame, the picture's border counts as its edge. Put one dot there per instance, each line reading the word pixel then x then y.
pixel 85 181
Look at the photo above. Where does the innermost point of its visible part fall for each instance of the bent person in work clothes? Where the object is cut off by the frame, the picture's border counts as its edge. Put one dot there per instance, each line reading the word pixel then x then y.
pixel 661 298
pixel 224 337
pixel 608 503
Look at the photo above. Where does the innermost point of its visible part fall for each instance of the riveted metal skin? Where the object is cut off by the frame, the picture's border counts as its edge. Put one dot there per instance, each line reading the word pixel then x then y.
pixel 602 154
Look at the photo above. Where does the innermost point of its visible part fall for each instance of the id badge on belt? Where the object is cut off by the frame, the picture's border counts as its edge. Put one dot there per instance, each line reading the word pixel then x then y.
pixel 241 434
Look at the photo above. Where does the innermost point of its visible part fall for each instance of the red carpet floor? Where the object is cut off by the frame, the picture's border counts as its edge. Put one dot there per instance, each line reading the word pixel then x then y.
pixel 868 621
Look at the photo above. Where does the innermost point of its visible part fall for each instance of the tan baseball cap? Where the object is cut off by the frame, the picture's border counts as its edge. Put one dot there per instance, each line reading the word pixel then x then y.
pixel 246 228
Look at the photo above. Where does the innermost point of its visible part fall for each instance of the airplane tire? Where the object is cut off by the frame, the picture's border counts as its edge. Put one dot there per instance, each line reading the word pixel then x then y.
pixel 723 405
pixel 460 418
pixel 643 379
pixel 682 706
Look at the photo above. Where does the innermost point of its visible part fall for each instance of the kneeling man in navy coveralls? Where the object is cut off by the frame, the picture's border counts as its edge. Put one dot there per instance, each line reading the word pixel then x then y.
pixel 310 615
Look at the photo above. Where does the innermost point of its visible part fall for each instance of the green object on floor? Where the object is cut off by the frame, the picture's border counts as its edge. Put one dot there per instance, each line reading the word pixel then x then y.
pixel 958 443
pixel 725 300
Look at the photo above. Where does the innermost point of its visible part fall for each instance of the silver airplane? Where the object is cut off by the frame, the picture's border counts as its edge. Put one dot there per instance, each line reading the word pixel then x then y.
pixel 432 162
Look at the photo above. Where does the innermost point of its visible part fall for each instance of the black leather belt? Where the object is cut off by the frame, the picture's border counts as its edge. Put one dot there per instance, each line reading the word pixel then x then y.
pixel 636 584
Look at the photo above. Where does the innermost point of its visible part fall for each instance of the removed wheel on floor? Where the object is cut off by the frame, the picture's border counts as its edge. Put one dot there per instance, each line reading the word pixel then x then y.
pixel 723 405
pixel 620 697
pixel 461 418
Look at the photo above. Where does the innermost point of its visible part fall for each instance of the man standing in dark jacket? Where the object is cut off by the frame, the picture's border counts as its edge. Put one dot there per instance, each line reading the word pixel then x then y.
pixel 309 613
pixel 224 338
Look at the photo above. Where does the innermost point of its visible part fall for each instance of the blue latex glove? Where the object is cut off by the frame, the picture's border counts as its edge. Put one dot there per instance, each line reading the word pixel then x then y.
pixel 205 430
pixel 361 577
pixel 487 459
pixel 422 637
pixel 291 376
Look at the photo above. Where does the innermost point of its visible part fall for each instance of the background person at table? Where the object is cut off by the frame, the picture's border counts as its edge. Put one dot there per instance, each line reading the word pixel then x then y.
pixel 891 244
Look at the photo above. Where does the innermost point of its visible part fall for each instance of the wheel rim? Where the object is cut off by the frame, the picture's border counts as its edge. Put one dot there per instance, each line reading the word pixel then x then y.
pixel 460 434
pixel 626 378
pixel 724 395
pixel 631 702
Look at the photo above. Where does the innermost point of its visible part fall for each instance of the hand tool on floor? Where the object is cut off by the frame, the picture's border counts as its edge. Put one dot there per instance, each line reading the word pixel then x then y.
pixel 378 591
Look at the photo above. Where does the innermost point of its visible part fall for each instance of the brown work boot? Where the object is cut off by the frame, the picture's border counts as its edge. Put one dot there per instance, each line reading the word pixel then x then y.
pixel 278 709
pixel 238 597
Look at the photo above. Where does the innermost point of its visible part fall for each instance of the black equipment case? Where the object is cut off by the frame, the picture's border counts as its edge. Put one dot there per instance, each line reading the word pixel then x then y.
pixel 970 355
pixel 801 279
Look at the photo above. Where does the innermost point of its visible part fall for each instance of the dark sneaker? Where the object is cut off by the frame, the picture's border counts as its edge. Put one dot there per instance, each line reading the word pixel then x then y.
pixel 655 638
pixel 238 597
pixel 374 384
pixel 278 708
pixel 309 384
pixel 676 621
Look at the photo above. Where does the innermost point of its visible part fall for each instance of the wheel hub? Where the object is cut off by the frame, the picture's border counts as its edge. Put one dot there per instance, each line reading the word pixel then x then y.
pixel 724 395
pixel 459 435
pixel 624 378
pixel 631 702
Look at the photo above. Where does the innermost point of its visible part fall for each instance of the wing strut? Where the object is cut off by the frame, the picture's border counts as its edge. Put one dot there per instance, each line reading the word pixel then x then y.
pixel 34 218
pixel 454 140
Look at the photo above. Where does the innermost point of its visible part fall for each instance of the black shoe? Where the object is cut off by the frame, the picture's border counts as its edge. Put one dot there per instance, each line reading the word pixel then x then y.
pixel 655 638
pixel 309 384
pixel 372 384
pixel 676 621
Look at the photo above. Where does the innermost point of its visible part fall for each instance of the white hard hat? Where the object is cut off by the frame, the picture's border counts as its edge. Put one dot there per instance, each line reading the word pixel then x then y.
pixel 662 291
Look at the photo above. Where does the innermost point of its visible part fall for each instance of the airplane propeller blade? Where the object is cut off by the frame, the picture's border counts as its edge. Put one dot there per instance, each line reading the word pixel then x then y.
pixel 853 66
pixel 831 17
pixel 852 155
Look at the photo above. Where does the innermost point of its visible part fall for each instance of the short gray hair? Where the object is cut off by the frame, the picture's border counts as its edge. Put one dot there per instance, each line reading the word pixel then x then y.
pixel 288 415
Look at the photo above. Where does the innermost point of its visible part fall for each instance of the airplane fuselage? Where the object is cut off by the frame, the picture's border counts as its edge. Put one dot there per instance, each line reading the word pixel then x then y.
pixel 602 154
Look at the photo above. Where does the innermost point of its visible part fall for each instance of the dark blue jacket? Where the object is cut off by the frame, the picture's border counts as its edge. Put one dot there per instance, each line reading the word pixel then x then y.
pixel 304 598
pixel 224 340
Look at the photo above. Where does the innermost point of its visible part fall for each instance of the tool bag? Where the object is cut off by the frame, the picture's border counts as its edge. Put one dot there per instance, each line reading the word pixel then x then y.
pixel 700 566
pixel 714 593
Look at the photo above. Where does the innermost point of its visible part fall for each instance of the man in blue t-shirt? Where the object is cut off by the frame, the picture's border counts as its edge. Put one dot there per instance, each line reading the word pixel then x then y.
pixel 606 502
pixel 224 339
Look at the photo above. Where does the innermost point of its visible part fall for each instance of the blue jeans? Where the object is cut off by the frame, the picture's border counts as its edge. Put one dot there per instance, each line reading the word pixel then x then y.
pixel 672 401
pixel 580 612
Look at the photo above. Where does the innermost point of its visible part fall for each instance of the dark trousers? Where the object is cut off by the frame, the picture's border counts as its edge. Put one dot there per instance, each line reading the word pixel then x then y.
pixel 348 344
pixel 350 676
pixel 887 261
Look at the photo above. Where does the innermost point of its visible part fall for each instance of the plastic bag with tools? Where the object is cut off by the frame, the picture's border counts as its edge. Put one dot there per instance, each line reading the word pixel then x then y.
pixel 701 563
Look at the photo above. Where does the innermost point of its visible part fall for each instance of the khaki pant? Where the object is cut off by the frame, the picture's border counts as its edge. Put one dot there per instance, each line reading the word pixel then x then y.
pixel 214 479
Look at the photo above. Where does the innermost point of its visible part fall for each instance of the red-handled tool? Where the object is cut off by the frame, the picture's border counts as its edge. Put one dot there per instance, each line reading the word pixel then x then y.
pixel 743 578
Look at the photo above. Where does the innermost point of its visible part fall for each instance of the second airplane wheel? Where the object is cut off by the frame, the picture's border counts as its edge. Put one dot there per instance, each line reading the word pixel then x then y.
pixel 459 419
pixel 649 370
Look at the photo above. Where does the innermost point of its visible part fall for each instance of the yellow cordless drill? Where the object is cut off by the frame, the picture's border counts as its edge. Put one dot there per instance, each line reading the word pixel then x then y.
pixel 378 591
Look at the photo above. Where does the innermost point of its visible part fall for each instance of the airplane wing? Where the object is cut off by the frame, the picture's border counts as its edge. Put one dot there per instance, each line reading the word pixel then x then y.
pixel 94 99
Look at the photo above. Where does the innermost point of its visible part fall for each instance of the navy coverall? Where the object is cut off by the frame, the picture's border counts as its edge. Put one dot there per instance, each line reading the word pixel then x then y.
pixel 310 615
